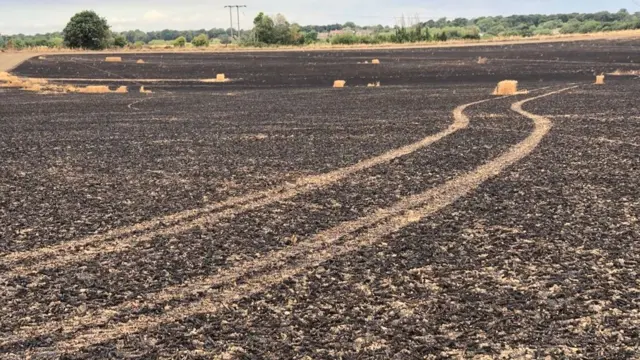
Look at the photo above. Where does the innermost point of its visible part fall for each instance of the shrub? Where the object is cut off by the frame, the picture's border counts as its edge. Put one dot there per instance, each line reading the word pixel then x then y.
pixel 87 30
pixel 120 41
pixel 589 26
pixel 441 37
pixel 138 44
pixel 310 37
pixel 225 39
pixel 572 26
pixel 56 42
pixel 543 31
pixel 17 44
pixel 200 40
pixel 345 39
pixel 180 42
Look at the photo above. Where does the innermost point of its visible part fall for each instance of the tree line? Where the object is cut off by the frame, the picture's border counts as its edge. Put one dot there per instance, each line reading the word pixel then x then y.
pixel 277 30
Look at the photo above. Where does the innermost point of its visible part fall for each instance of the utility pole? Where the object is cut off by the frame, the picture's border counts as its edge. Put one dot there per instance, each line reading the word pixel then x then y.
pixel 231 16
pixel 238 11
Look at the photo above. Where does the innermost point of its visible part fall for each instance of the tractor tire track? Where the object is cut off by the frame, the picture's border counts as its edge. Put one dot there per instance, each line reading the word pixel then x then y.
pixel 334 242
pixel 122 239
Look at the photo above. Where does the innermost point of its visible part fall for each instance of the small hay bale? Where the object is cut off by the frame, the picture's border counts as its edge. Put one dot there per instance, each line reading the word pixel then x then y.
pixel 42 58
pixel 113 59
pixel 600 80
pixel 220 77
pixel 143 91
pixel 121 90
pixel 507 87
pixel 375 84
pixel 140 61
pixel 375 61
pixel 339 83
pixel 482 60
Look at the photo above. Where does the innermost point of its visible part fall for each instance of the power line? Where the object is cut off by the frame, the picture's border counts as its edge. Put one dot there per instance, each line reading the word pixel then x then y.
pixel 238 11
pixel 231 16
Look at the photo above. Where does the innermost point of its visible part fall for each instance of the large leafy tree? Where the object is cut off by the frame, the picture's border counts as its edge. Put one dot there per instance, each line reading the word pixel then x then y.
pixel 263 27
pixel 87 30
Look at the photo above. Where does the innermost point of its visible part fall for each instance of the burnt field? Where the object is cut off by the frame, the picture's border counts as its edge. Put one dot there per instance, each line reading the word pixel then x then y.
pixel 274 217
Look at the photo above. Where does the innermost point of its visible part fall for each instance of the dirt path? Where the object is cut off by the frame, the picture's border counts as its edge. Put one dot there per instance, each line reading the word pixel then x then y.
pixel 292 261
pixel 8 61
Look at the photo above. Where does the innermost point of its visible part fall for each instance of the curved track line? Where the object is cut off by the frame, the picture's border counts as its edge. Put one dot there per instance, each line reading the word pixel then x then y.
pixel 117 240
pixel 132 106
pixel 333 242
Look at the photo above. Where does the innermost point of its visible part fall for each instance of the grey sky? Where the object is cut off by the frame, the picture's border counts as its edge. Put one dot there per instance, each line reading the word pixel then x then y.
pixel 30 16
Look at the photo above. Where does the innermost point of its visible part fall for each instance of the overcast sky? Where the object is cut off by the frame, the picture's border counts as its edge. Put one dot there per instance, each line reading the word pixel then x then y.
pixel 39 16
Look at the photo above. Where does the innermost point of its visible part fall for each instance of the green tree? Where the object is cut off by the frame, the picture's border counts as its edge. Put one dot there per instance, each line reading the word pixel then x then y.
pixel 572 26
pixel 263 27
pixel 282 30
pixel 120 41
pixel 56 42
pixel 542 31
pixel 589 26
pixel 551 25
pixel 350 24
pixel 310 37
pixel 459 22
pixel 180 42
pixel 296 37
pixel 201 40
pixel 87 30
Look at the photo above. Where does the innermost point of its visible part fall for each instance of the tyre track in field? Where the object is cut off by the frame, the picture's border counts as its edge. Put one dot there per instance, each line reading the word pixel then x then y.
pixel 124 238
pixel 110 279
pixel 99 326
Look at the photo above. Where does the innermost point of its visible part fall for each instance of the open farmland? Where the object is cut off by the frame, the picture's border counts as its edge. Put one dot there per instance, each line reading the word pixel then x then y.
pixel 272 216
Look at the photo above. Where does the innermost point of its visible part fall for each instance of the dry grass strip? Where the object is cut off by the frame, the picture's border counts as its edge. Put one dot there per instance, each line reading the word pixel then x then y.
pixel 625 73
pixel 216 80
pixel 126 80
pixel 113 59
pixel 44 87
pixel 308 254
pixel 122 239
